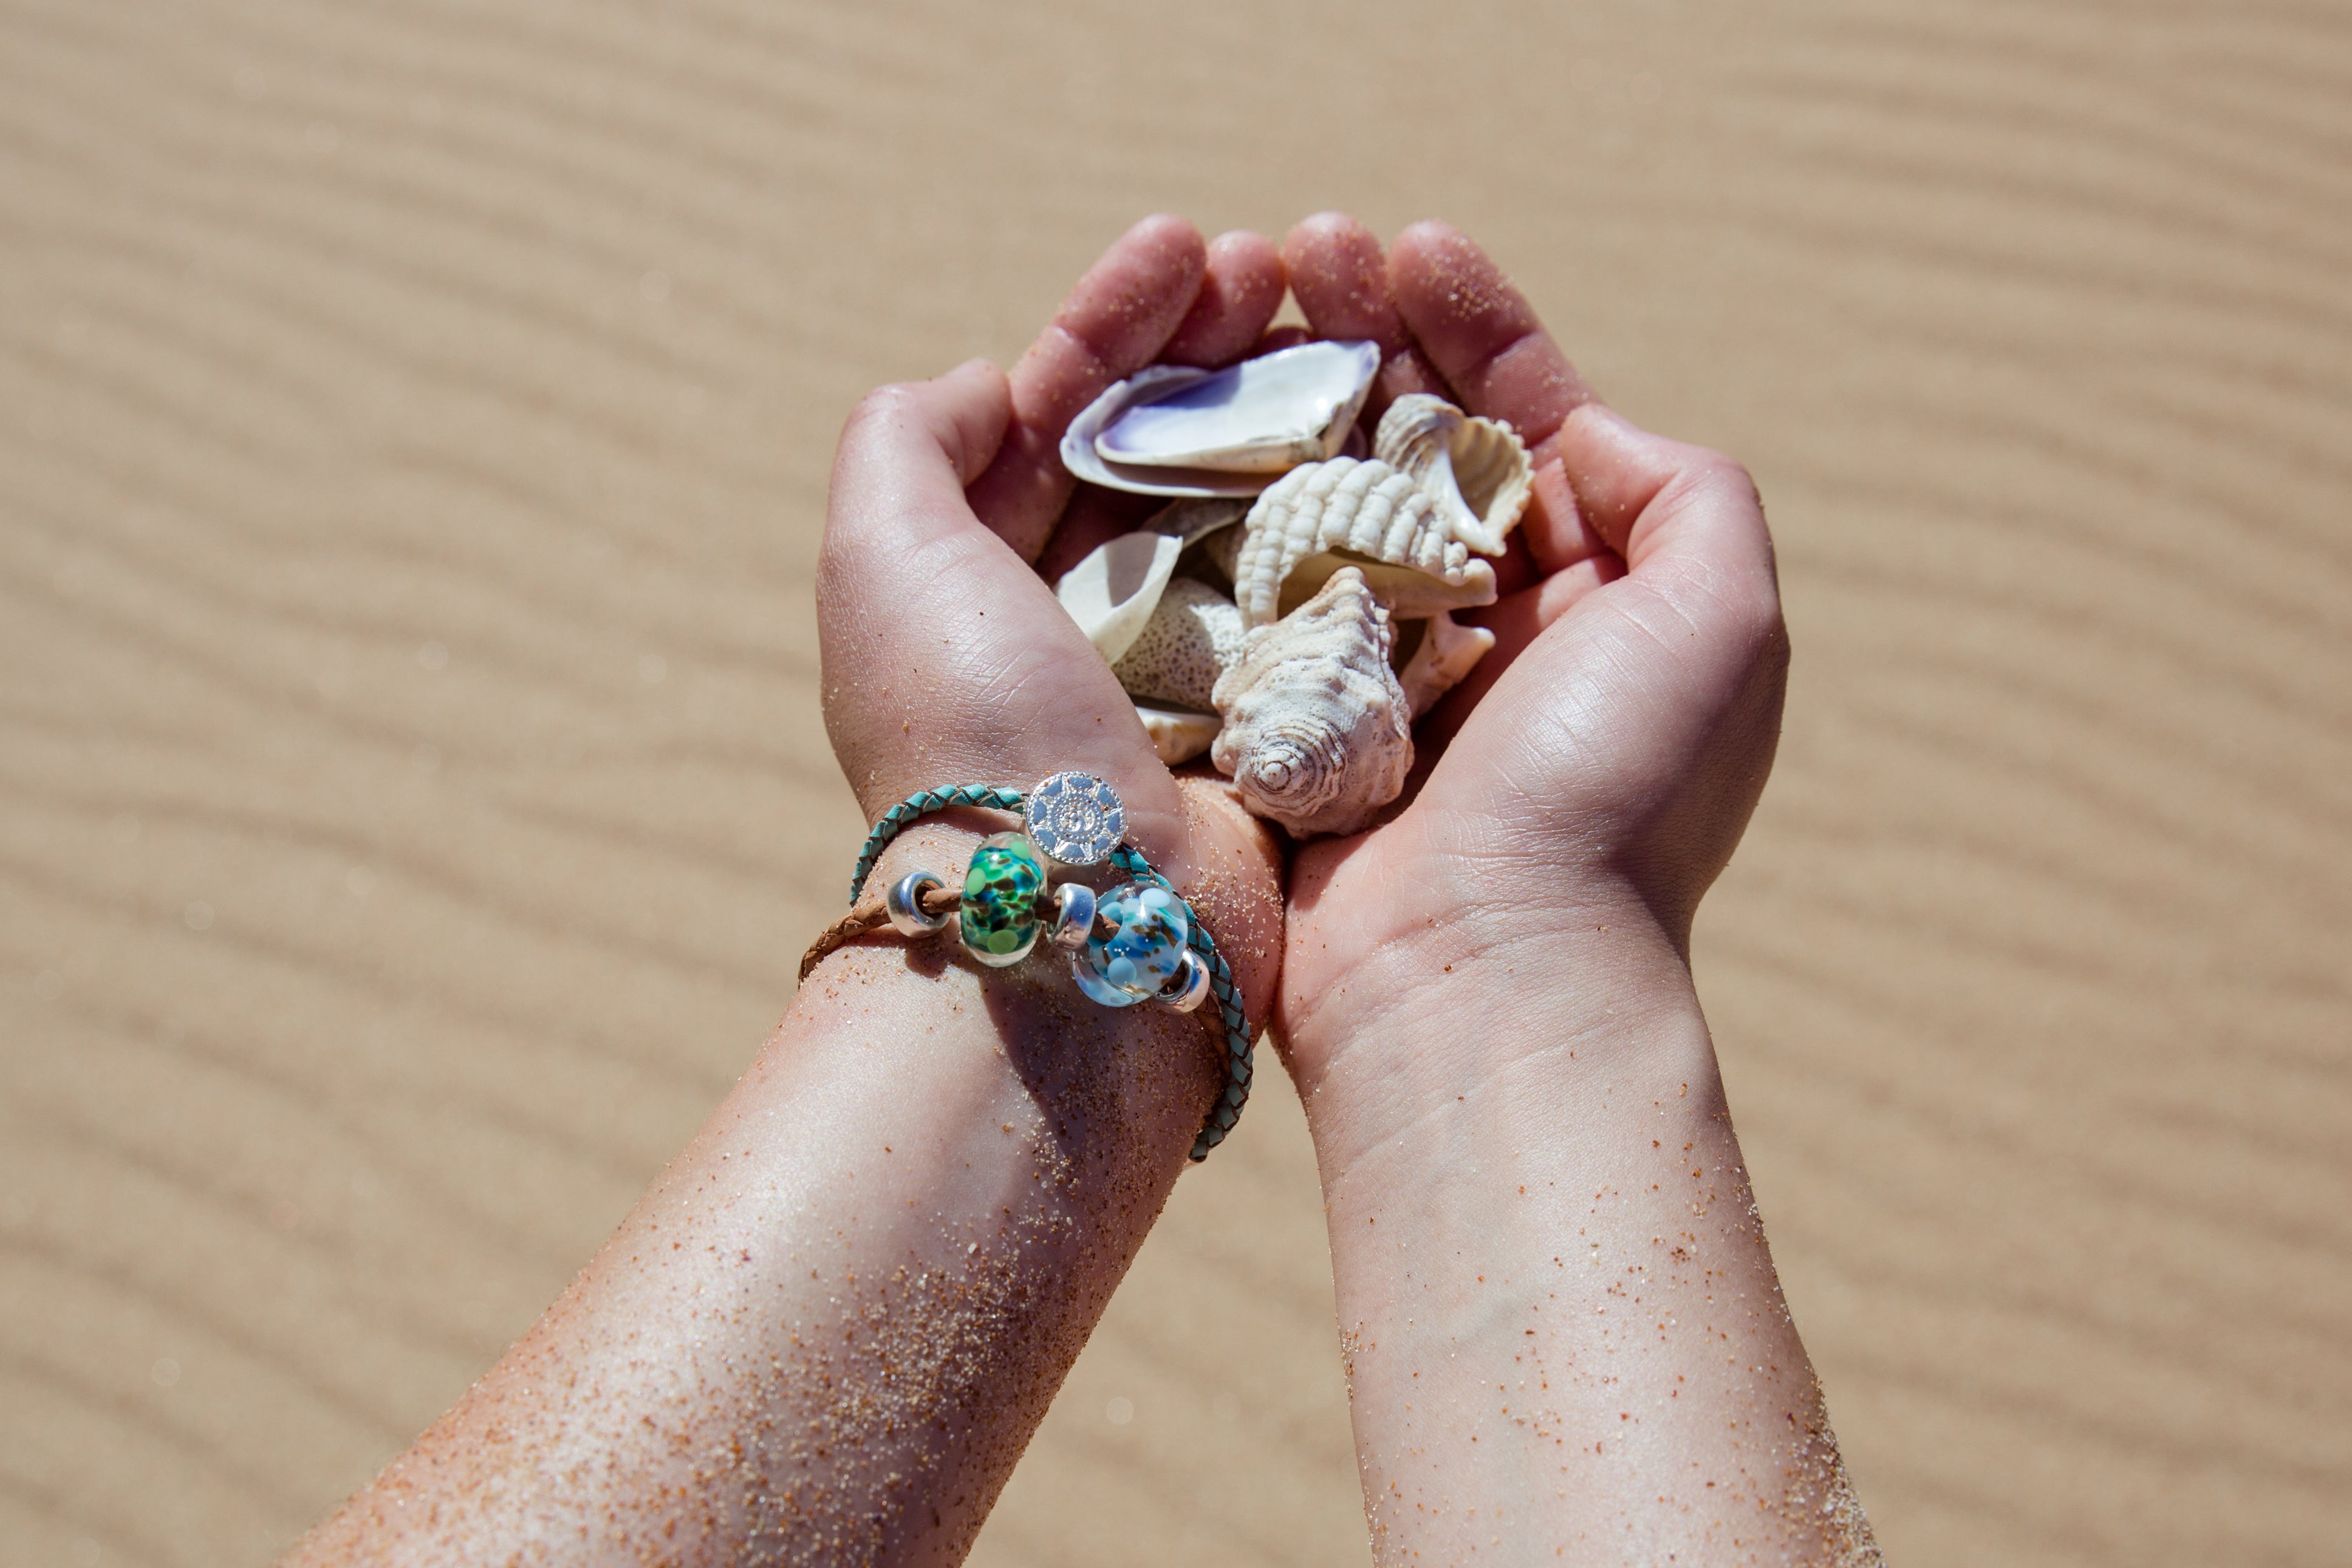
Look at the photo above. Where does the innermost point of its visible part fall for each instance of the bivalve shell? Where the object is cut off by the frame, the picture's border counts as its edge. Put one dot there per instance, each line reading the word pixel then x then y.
pixel 1173 430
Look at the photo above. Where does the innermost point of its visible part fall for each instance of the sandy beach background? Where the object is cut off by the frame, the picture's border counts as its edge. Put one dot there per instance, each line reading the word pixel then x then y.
pixel 414 427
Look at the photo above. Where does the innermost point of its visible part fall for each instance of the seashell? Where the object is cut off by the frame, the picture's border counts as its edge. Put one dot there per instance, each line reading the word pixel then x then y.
pixel 1367 508
pixel 1406 594
pixel 1446 652
pixel 1194 635
pixel 1476 470
pixel 1195 520
pixel 1173 430
pixel 1177 736
pixel 1112 593
pixel 1317 735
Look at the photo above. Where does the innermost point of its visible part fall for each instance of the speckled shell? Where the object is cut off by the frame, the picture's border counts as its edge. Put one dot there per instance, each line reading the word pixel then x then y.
pixel 1317 735
pixel 1476 471
pixel 1367 508
pixel 1446 652
pixel 1111 594
pixel 1194 635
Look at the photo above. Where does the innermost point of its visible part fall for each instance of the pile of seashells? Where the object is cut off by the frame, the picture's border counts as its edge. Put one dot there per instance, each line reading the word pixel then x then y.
pixel 1290 613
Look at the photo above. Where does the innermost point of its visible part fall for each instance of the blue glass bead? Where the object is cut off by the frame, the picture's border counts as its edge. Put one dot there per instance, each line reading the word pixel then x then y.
pixel 999 919
pixel 1144 951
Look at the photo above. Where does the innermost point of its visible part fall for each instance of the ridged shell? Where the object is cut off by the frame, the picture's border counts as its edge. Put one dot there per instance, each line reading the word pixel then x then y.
pixel 1477 471
pixel 1194 635
pixel 1317 735
pixel 1368 508
pixel 1446 652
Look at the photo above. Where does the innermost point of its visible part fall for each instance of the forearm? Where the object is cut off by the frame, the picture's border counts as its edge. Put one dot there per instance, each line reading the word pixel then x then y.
pixel 1562 1322
pixel 828 1330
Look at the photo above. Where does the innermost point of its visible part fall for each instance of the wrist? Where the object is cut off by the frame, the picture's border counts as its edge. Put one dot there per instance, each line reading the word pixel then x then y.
pixel 1440 1014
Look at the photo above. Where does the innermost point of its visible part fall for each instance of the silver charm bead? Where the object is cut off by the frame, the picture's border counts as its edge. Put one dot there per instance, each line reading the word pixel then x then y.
pixel 904 903
pixel 1075 817
pixel 1074 914
pixel 1190 989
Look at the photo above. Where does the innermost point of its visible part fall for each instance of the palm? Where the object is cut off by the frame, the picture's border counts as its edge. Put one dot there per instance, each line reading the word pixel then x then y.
pixel 1612 746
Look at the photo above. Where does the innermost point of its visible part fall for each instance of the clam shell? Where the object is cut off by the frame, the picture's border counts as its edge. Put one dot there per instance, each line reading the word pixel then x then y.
pixel 1194 635
pixel 1476 470
pixel 1112 593
pixel 1173 430
pixel 1317 735
pixel 1367 508
pixel 1446 652
pixel 1178 735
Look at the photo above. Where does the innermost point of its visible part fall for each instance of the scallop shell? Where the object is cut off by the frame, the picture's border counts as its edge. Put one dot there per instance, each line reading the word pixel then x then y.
pixel 1476 470
pixel 1317 735
pixel 1174 430
pixel 1194 635
pixel 1446 652
pixel 1367 508
pixel 1176 735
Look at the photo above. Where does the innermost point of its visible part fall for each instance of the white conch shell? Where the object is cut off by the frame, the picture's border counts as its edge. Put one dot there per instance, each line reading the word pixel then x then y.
pixel 1173 430
pixel 1112 593
pixel 1177 736
pixel 1194 635
pixel 1446 652
pixel 1476 470
pixel 1366 508
pixel 1317 735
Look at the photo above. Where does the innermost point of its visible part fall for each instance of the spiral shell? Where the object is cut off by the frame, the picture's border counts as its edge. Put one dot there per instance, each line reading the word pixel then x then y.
pixel 1366 508
pixel 1476 471
pixel 1317 735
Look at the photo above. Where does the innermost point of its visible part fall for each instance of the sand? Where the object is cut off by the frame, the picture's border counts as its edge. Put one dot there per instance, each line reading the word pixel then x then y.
pixel 414 428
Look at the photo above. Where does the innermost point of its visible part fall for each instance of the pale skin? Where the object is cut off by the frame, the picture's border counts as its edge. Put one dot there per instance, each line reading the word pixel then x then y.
pixel 828 1330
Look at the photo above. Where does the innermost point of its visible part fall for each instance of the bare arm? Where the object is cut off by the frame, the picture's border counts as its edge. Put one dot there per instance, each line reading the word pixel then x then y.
pixel 827 1331
pixel 1564 1331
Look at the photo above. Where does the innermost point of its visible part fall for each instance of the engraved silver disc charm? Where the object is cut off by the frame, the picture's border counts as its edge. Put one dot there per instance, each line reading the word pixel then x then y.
pixel 1075 817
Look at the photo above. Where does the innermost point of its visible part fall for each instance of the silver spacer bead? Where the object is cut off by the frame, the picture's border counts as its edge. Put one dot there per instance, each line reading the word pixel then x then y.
pixel 1074 914
pixel 904 904
pixel 1189 987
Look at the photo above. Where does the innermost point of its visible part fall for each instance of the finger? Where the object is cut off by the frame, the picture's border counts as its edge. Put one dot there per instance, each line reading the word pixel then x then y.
pixel 1481 334
pixel 1516 620
pixel 1341 280
pixel 1665 505
pixel 1113 324
pixel 921 608
pixel 1480 331
pixel 1240 292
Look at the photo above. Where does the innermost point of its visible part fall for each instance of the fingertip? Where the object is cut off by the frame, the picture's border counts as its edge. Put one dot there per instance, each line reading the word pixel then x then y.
pixel 975 402
pixel 1241 285
pixel 1340 279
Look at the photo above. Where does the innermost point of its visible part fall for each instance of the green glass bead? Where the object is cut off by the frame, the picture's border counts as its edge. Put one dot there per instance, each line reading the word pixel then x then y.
pixel 999 921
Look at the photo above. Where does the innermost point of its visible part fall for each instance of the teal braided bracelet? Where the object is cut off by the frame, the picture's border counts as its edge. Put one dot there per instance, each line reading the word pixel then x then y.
pixel 1139 942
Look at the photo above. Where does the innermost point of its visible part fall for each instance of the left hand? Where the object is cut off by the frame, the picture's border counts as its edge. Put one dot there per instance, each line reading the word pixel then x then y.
pixel 947 658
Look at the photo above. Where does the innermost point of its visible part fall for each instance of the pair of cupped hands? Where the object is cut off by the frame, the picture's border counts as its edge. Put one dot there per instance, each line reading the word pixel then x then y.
pixel 1595 771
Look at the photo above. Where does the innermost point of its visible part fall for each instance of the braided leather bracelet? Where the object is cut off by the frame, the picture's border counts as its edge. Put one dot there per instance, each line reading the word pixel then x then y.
pixel 1138 942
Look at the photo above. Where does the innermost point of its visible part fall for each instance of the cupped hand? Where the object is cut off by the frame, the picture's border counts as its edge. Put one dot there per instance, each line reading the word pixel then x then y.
pixel 1599 765
pixel 947 659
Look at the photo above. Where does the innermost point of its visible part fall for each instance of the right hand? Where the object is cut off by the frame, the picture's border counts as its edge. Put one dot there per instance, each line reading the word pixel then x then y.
pixel 1595 772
